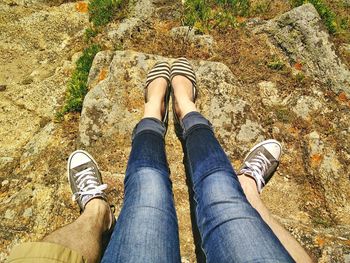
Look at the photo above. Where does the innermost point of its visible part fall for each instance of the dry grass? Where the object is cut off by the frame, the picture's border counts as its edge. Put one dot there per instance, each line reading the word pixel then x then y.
pixel 246 54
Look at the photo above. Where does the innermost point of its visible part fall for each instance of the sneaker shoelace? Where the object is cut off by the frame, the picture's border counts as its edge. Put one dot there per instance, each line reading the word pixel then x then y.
pixel 87 184
pixel 257 168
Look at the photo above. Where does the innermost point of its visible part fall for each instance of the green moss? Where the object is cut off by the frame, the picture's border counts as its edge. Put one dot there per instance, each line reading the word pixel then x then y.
pixel 284 115
pixel 344 23
pixel 89 34
pixel 77 87
pixel 101 12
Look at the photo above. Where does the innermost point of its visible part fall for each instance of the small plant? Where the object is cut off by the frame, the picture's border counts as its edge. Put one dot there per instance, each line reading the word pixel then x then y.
pixel 196 12
pixel 327 15
pixel 237 7
pixel 261 7
pixel 101 12
pixel 208 14
pixel 89 33
pixel 344 23
pixel 225 19
pixel 77 87
pixel 276 65
pixel 299 77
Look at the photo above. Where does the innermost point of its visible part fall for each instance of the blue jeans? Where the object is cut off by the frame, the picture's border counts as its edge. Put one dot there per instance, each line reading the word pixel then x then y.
pixel 231 230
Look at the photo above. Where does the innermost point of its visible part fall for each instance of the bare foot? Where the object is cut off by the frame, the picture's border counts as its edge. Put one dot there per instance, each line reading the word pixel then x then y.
pixel 154 107
pixel 183 93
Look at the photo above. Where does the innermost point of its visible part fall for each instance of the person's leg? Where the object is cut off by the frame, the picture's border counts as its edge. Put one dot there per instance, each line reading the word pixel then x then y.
pixel 83 239
pixel 200 256
pixel 257 169
pixel 293 247
pixel 86 233
pixel 231 229
pixel 147 229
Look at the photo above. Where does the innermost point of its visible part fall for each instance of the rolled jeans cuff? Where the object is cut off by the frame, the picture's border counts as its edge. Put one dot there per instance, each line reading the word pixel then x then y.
pixel 149 124
pixel 192 121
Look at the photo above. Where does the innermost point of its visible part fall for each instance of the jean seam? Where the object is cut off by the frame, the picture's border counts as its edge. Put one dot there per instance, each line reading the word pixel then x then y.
pixel 195 200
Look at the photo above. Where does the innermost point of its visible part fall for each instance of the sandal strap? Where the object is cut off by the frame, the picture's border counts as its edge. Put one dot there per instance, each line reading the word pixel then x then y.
pixel 182 67
pixel 160 70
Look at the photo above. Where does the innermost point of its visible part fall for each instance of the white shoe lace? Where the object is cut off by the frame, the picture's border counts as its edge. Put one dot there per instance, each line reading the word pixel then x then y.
pixel 257 168
pixel 87 184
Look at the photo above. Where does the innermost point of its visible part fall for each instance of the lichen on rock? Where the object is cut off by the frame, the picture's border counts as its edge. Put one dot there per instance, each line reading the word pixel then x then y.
pixel 303 39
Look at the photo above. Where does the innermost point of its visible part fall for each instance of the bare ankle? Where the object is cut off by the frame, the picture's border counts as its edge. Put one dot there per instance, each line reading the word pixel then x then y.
pixel 100 209
pixel 184 107
pixel 249 185
pixel 154 110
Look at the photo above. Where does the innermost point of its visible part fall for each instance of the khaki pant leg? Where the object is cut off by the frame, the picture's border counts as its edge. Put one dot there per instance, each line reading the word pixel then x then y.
pixel 43 252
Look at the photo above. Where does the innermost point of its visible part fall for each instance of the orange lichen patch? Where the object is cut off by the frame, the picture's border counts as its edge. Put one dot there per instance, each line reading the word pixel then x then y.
pixel 320 241
pixel 342 97
pixel 102 75
pixel 298 66
pixel 347 242
pixel 316 160
pixel 81 7
pixel 240 19
pixel 294 131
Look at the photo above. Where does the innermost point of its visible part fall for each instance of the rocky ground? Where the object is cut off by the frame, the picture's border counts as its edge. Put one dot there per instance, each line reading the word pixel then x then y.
pixel 305 105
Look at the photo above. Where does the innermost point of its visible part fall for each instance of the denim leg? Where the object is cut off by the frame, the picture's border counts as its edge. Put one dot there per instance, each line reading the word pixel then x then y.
pixel 231 229
pixel 147 228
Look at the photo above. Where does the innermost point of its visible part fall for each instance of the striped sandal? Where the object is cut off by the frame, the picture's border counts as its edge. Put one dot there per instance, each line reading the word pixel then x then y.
pixel 182 67
pixel 160 70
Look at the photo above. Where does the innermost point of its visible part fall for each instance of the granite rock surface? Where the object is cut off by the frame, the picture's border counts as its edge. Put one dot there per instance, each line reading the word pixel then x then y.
pixel 312 180
pixel 309 194
pixel 304 40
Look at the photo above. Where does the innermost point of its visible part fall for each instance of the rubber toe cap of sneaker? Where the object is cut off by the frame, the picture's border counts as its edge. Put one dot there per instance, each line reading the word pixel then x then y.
pixel 274 148
pixel 78 159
